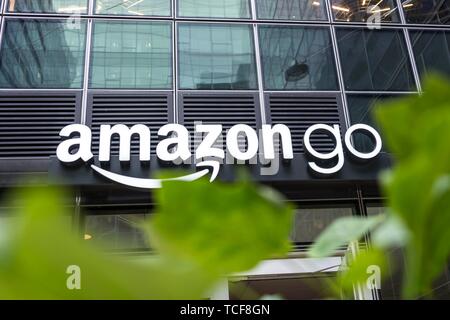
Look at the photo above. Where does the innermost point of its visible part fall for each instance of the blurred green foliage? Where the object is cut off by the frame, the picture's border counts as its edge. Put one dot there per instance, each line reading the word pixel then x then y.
pixel 215 230
pixel 221 228
pixel 38 245
pixel 341 232
pixel 205 231
pixel 417 131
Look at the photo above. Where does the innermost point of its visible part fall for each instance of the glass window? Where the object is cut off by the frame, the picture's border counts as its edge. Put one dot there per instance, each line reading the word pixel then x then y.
pixel 291 9
pixel 48 6
pixel 427 11
pixel 214 9
pixel 360 108
pixel 365 11
pixel 134 7
pixel 309 223
pixel 216 57
pixel 431 51
pixel 297 58
pixel 116 232
pixel 374 60
pixel 307 286
pixel 133 55
pixel 42 54
pixel 374 209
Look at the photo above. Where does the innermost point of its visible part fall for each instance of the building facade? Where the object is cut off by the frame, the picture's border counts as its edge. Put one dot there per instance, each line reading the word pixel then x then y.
pixel 253 62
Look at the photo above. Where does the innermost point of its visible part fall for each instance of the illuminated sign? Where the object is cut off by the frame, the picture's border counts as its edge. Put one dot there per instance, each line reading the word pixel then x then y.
pixel 175 147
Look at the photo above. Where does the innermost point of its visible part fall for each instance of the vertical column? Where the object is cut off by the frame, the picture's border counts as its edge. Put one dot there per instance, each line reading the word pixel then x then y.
pixel 409 46
pixel 87 62
pixel 77 215
pixel 338 63
pixel 2 20
pixel 175 61
pixel 262 104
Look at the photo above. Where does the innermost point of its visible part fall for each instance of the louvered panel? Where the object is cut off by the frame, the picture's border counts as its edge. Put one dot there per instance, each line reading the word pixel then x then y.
pixel 299 112
pixel 30 122
pixel 224 109
pixel 151 109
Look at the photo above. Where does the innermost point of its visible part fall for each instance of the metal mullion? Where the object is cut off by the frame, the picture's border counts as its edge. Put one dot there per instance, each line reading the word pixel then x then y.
pixel 303 91
pixel 444 27
pixel 2 30
pixel 337 61
pixel 128 91
pixel 253 10
pixel 40 89
pixel 217 91
pixel 381 92
pixel 87 62
pixel 175 79
pixel 259 74
pixel 2 25
pixel 409 48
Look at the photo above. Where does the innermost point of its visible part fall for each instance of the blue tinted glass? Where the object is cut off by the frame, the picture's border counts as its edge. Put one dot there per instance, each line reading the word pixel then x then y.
pixel 431 51
pixel 48 6
pixel 297 58
pixel 291 9
pixel 131 55
pixel 214 9
pixel 42 54
pixel 216 57
pixel 374 60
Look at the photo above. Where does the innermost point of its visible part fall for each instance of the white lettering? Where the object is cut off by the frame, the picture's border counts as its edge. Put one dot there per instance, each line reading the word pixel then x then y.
pixel 83 142
pixel 233 142
pixel 206 149
pixel 125 134
pixel 268 133
pixel 337 152
pixel 373 132
pixel 181 141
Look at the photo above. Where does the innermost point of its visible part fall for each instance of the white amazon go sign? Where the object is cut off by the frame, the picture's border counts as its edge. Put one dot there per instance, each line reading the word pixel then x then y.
pixel 175 147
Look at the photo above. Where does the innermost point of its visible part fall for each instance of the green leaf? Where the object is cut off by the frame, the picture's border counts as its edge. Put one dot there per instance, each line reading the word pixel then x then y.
pixel 341 232
pixel 361 269
pixel 391 233
pixel 39 247
pixel 417 130
pixel 222 228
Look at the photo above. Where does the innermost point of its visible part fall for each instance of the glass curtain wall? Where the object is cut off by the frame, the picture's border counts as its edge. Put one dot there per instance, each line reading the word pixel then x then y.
pixel 363 51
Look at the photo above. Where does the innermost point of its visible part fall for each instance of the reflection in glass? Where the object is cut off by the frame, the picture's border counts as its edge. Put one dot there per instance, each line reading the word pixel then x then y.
pixel 365 11
pixel 374 60
pixel 431 51
pixel 309 223
pixel 214 9
pixel 133 7
pixel 116 232
pixel 135 55
pixel 48 6
pixel 427 11
pixel 216 57
pixel 42 54
pixel 297 58
pixel 291 9
pixel 360 108
pixel 305 286
pixel 374 210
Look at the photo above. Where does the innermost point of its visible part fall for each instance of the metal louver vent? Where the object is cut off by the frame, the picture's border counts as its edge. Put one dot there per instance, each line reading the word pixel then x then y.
pixel 30 122
pixel 151 109
pixel 300 111
pixel 224 109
